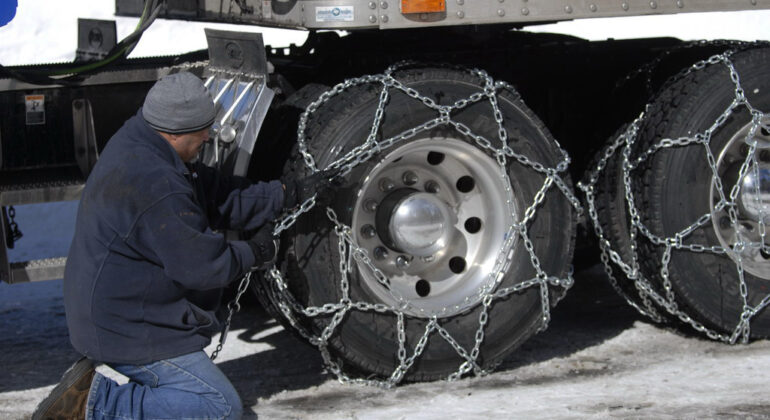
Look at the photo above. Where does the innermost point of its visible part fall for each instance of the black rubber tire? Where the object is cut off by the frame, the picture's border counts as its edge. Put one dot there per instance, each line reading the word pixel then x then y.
pixel 282 132
pixel 673 189
pixel 614 219
pixel 366 342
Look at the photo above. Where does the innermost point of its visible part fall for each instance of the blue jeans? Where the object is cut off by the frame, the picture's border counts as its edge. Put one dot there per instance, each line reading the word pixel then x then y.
pixel 185 387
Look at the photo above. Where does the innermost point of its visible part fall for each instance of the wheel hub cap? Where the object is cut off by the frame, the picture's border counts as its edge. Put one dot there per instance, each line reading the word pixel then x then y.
pixel 755 193
pixel 741 231
pixel 419 224
pixel 432 215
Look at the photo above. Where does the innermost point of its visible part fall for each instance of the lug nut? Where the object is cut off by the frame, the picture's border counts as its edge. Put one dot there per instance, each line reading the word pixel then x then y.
pixel 744 149
pixel 409 178
pixel 380 253
pixel 764 253
pixel 432 187
pixel 386 184
pixel 368 231
pixel 370 205
pixel 402 262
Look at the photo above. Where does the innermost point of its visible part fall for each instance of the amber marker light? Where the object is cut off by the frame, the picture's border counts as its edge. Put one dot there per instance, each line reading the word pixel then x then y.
pixel 422 6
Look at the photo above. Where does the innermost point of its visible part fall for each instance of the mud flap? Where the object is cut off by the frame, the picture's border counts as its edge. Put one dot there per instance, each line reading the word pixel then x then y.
pixel 237 79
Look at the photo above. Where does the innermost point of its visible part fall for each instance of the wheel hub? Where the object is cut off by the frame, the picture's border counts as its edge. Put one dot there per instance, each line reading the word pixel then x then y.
pixel 755 193
pixel 743 235
pixel 432 216
pixel 413 222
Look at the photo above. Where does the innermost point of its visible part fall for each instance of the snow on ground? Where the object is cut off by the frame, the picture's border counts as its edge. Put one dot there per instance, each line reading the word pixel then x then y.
pixel 598 359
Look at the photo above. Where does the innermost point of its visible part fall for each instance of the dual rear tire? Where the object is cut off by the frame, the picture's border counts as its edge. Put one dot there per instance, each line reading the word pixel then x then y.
pixel 676 186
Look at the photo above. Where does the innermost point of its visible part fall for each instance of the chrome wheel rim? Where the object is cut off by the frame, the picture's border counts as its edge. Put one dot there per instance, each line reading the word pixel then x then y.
pixel 742 237
pixel 432 215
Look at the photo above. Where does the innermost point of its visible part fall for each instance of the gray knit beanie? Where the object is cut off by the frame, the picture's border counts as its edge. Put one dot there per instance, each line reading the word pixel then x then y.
pixel 179 103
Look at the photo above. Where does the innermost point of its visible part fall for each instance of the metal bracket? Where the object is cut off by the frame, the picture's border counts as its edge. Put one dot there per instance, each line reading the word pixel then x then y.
pixel 5 267
pixel 236 77
pixel 95 39
pixel 84 135
pixel 242 52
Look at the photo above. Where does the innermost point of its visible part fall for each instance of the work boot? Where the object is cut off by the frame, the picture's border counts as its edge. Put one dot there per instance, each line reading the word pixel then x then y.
pixel 68 399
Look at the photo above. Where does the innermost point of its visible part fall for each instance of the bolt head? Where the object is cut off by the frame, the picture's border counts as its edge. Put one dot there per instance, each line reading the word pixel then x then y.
pixel 227 133
pixel 432 187
pixel 402 262
pixel 409 177
pixel 370 205
pixel 386 184
pixel 368 231
pixel 380 253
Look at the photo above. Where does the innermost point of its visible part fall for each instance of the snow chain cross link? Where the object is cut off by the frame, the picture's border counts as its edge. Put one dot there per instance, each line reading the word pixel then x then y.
pixel 349 251
pixel 232 307
pixel 13 234
pixel 631 269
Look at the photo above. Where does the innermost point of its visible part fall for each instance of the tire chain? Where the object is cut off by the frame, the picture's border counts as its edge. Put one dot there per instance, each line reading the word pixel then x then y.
pixel 349 251
pixel 648 69
pixel 631 269
pixel 13 234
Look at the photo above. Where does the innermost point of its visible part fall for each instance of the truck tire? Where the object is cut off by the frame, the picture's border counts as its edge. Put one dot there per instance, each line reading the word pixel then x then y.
pixel 614 220
pixel 280 131
pixel 452 167
pixel 676 187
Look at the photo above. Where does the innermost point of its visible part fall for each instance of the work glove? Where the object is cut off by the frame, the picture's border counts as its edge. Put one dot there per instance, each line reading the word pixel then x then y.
pixel 264 246
pixel 299 190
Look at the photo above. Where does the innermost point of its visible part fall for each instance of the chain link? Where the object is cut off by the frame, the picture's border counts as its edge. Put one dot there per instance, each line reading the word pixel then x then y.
pixel 349 251
pixel 232 307
pixel 666 299
pixel 14 234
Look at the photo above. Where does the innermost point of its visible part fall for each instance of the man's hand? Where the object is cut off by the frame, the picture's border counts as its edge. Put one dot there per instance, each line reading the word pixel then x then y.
pixel 264 246
pixel 299 190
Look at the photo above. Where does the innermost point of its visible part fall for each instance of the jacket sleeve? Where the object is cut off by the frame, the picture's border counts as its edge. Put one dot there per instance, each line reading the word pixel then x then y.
pixel 177 231
pixel 235 203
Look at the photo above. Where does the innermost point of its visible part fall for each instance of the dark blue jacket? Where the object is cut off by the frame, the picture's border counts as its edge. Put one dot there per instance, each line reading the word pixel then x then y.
pixel 145 271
